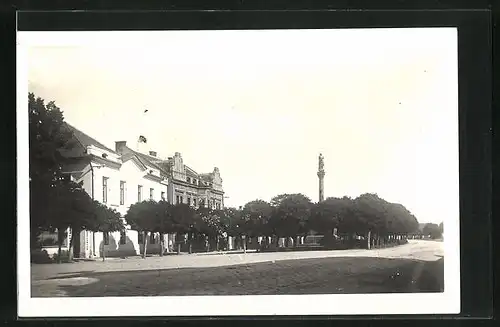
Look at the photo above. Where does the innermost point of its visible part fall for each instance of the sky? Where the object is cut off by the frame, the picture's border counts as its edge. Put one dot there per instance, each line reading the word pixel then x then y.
pixel 381 105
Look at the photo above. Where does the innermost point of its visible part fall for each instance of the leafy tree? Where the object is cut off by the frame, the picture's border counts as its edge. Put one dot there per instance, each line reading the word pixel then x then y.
pixel 143 217
pixel 67 206
pixel 441 227
pixel 326 215
pixel 290 215
pixel 184 221
pixel 432 230
pixel 164 222
pixel 208 223
pixel 371 215
pixel 232 223
pixel 105 220
pixel 47 135
pixel 256 215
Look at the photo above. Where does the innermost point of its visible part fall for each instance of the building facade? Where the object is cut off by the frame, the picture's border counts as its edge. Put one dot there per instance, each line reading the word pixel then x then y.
pixel 121 177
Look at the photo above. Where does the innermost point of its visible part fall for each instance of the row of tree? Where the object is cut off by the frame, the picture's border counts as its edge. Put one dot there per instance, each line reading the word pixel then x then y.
pixel 289 216
pixel 58 204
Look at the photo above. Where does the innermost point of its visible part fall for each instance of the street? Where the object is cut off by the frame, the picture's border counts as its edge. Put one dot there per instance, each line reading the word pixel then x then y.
pixel 414 267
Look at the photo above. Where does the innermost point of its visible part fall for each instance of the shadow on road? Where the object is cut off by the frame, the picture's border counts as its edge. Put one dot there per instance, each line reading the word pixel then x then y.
pixel 309 276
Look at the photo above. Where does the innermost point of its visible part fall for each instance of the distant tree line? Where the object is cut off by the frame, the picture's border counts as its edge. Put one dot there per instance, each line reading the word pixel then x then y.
pixel 288 216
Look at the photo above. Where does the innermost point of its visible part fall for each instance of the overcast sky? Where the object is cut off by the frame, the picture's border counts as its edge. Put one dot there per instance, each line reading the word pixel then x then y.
pixel 381 105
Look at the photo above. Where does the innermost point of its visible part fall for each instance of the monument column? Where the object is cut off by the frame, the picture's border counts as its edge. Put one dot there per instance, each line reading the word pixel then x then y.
pixel 321 176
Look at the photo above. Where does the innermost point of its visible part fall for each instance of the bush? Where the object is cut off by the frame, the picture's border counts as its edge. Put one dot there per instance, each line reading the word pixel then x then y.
pixel 40 256
pixel 64 256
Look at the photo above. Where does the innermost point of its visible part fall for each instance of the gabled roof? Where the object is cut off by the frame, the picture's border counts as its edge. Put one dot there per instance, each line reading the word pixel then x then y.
pixel 129 156
pixel 146 160
pixel 86 140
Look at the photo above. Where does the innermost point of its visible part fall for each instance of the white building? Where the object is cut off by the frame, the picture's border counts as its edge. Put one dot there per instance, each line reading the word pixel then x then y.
pixel 120 178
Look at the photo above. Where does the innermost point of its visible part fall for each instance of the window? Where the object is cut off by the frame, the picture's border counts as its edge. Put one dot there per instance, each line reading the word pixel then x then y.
pixel 177 199
pixel 163 196
pixel 189 200
pixel 202 203
pixel 122 192
pixel 139 193
pixel 140 237
pixel 194 202
pixel 152 238
pixel 123 237
pixel 106 238
pixel 188 180
pixel 151 193
pixel 194 181
pixel 105 190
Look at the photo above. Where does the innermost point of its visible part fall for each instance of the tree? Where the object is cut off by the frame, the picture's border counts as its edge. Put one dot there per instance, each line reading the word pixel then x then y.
pixel 256 215
pixel 371 215
pixel 208 223
pixel 326 215
pixel 290 215
pixel 67 206
pixel 143 217
pixel 183 220
pixel 432 230
pixel 232 223
pixel 441 229
pixel 105 220
pixel 164 223
pixel 47 135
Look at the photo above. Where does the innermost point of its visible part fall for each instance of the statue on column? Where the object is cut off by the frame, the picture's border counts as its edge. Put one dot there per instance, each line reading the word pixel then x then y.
pixel 321 162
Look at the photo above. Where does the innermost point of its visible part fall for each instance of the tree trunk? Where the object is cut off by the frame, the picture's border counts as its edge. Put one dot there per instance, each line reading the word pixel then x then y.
pixel 277 241
pixel 190 242
pixel 162 244
pixel 228 243
pixel 244 241
pixel 144 244
pixel 178 248
pixel 103 250
pixel 369 239
pixel 70 248
pixel 60 238
pixel 93 244
pixel 217 243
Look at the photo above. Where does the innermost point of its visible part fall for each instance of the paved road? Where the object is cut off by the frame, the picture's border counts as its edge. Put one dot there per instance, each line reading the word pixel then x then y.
pixel 415 267
pixel 415 249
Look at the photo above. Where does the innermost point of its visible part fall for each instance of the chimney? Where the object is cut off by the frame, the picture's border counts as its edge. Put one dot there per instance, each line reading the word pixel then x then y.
pixel 120 146
pixel 177 154
pixel 152 153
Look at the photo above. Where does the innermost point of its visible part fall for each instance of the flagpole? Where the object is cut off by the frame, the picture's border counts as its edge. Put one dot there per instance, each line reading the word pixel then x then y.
pixel 141 127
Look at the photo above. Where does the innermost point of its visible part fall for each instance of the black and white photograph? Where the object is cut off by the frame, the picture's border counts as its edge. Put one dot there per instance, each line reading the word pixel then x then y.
pixel 238 172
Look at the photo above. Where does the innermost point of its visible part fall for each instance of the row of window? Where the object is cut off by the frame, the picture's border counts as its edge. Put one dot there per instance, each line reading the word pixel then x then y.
pixel 123 192
pixel 195 181
pixel 123 238
pixel 180 199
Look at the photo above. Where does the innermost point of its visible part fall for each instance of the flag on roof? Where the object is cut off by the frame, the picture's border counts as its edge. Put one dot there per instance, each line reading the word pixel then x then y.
pixel 142 139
